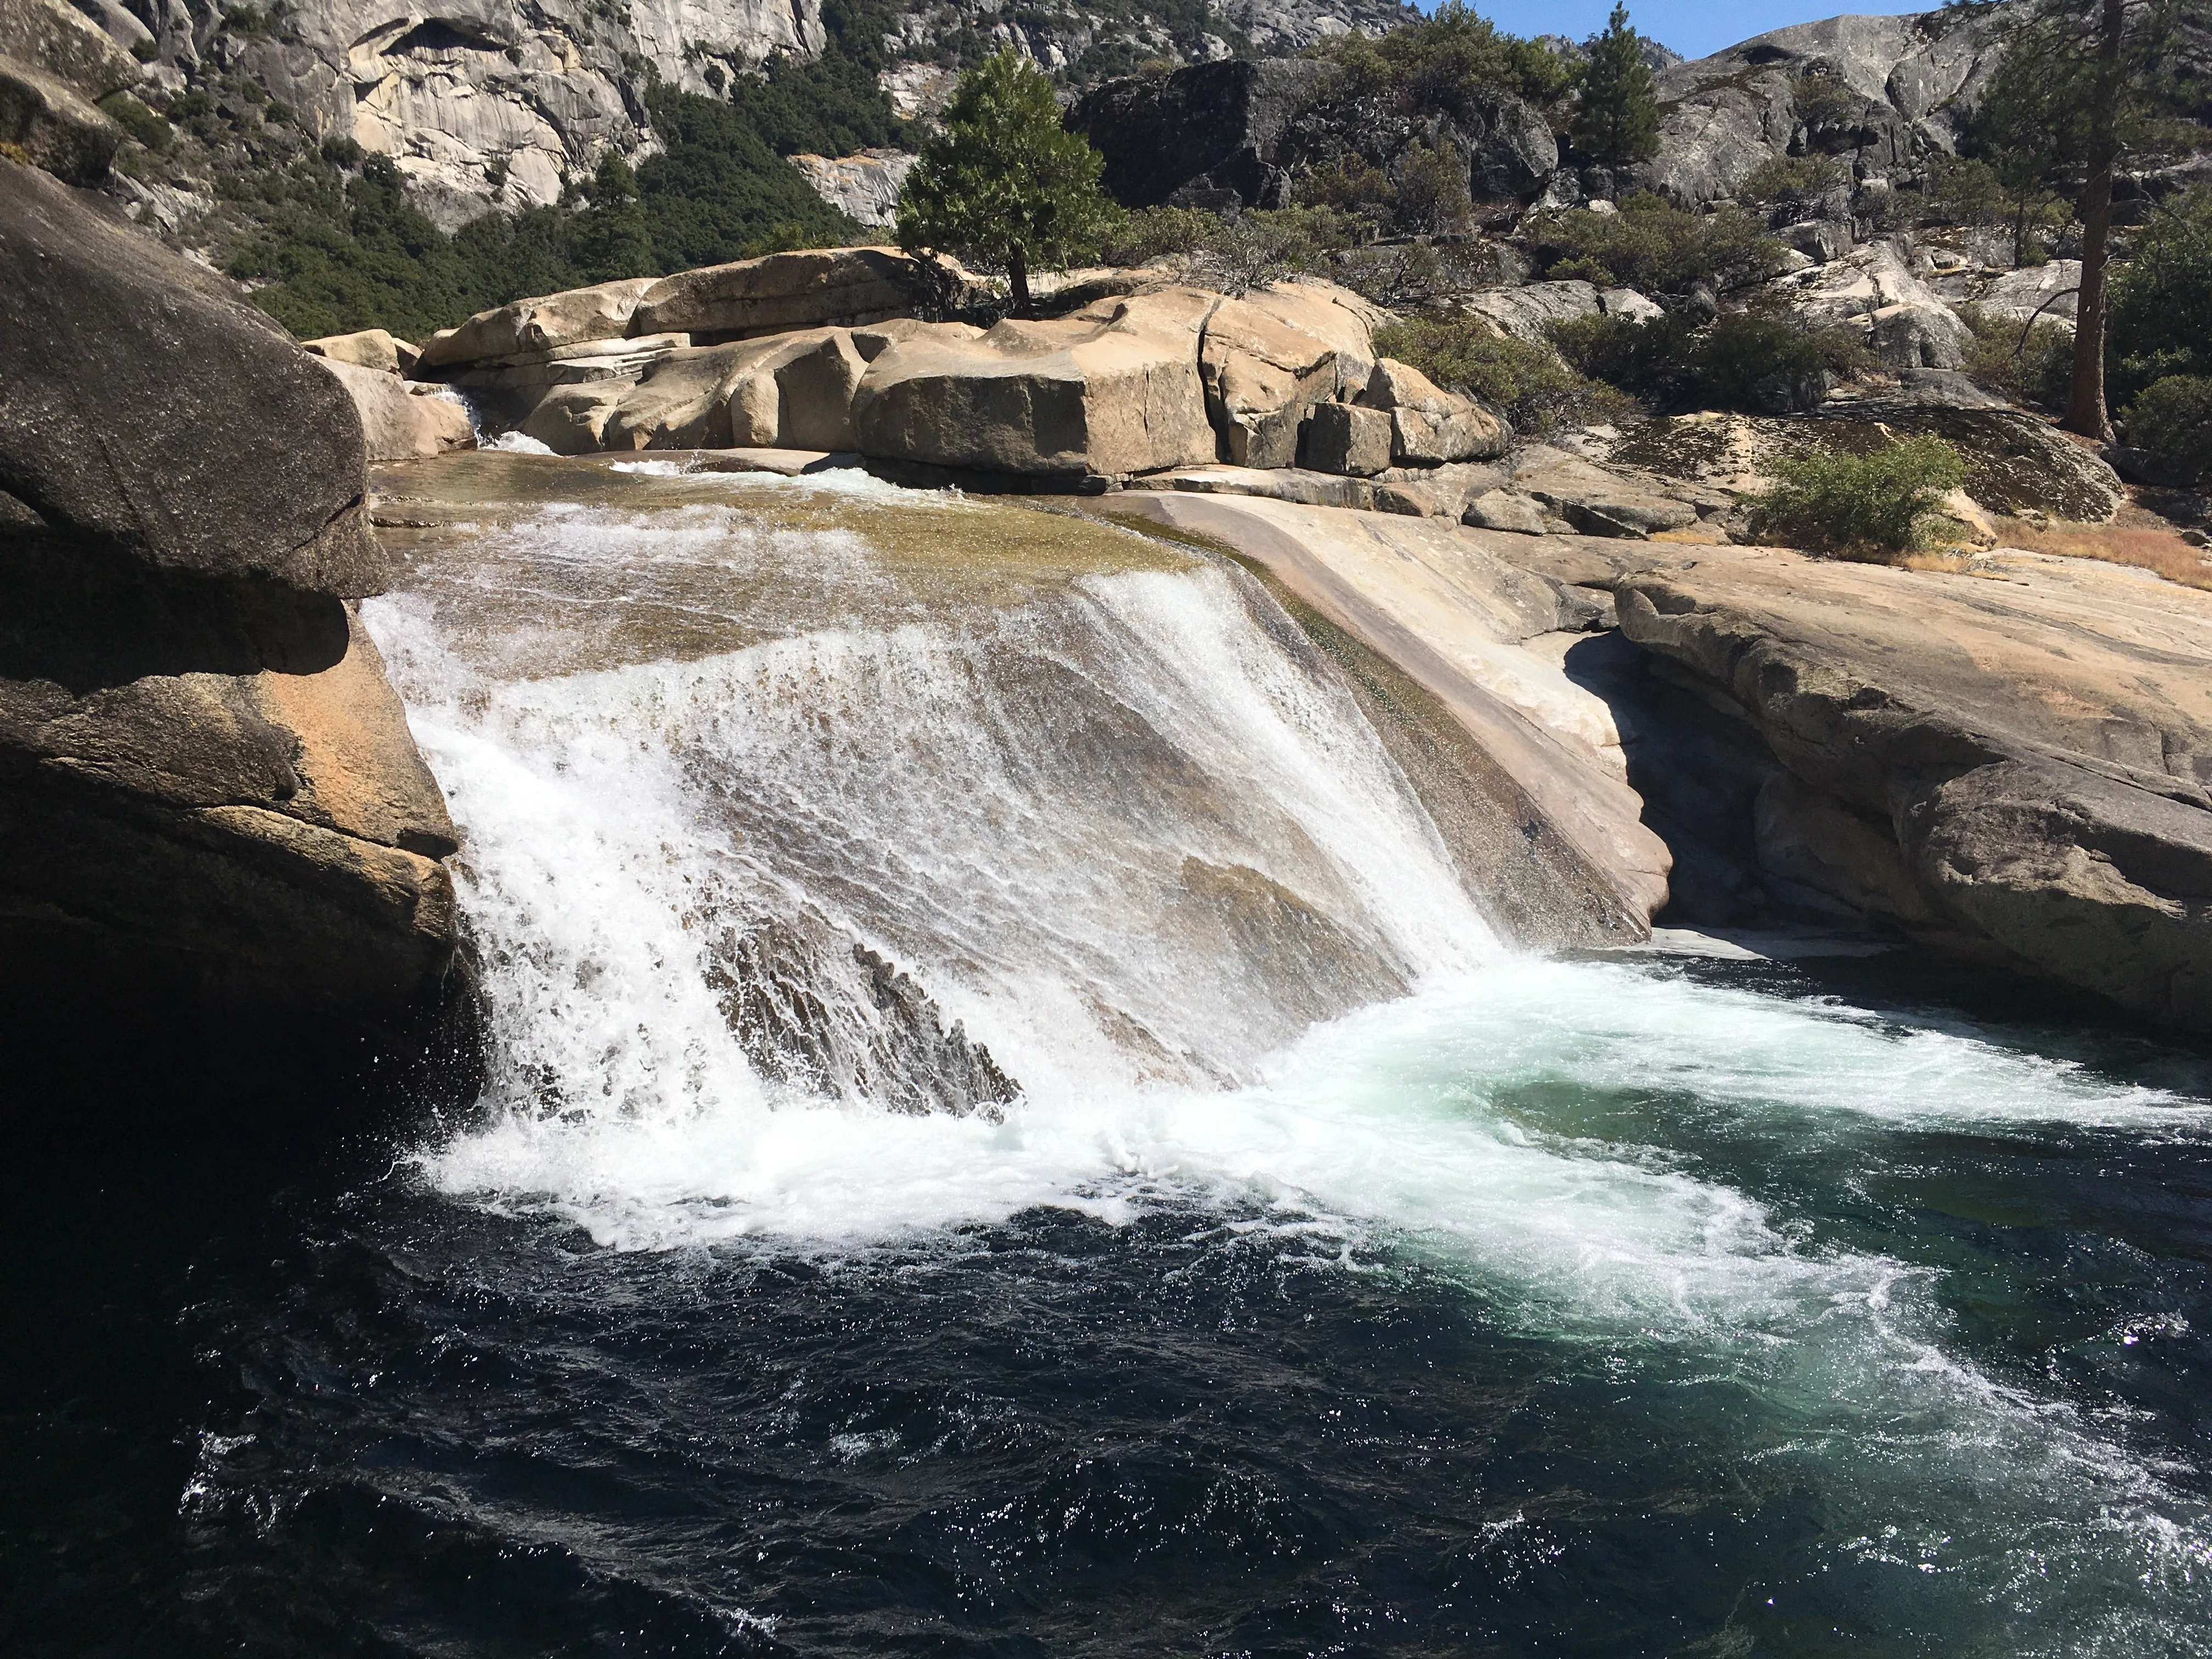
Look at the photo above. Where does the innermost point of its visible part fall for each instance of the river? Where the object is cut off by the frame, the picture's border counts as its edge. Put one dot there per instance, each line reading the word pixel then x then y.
pixel 1006 1134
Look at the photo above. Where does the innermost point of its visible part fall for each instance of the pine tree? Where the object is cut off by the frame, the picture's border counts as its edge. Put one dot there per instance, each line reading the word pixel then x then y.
pixel 1618 120
pixel 2081 83
pixel 1004 183
pixel 609 240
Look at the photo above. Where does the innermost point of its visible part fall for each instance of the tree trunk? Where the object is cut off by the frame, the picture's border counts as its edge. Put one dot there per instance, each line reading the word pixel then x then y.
pixel 1018 279
pixel 2085 396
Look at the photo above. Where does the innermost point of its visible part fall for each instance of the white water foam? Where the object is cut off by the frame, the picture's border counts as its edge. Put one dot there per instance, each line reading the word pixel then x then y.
pixel 1012 810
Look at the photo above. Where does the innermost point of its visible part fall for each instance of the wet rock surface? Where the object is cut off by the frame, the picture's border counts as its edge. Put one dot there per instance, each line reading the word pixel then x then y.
pixel 1521 767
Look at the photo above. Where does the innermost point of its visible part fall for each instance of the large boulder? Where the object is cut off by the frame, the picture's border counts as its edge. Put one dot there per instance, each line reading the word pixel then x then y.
pixel 1873 290
pixel 1112 389
pixel 2045 292
pixel 1208 129
pixel 1429 426
pixel 784 392
pixel 207 787
pixel 814 288
pixel 1344 438
pixel 400 421
pixel 1512 151
pixel 529 327
pixel 1269 356
pixel 116 422
pixel 367 348
pixel 1526 312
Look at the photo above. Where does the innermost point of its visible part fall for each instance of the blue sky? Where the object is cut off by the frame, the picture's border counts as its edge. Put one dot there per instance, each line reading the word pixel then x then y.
pixel 1692 27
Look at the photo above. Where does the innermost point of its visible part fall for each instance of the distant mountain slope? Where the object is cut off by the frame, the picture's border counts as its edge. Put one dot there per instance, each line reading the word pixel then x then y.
pixel 493 103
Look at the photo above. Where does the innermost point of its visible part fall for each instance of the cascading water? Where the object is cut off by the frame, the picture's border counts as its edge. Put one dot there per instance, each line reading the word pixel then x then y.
pixel 1007 1134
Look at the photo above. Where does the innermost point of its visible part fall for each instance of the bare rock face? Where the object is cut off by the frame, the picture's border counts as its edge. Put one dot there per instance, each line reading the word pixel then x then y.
pixel 53 126
pixel 1886 91
pixel 2019 771
pixel 865 187
pixel 2044 293
pixel 207 787
pixel 1873 289
pixel 489 105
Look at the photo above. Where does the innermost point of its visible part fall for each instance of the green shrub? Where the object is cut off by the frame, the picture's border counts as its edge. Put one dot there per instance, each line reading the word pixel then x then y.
pixel 1635 356
pixel 1445 62
pixel 1792 185
pixel 1746 362
pixel 1964 192
pixel 1859 506
pixel 1430 193
pixel 2029 364
pixel 2171 421
pixel 2161 322
pixel 1356 187
pixel 1535 388
pixel 1650 244
pixel 718 192
pixel 1140 236
pixel 140 123
pixel 1741 361
pixel 1825 100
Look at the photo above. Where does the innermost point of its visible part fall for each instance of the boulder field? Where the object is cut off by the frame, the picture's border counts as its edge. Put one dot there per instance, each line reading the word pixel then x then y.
pixel 206 787
pixel 833 349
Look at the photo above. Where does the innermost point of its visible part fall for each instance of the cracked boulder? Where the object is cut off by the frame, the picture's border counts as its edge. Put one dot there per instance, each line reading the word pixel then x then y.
pixel 2017 771
pixel 1112 389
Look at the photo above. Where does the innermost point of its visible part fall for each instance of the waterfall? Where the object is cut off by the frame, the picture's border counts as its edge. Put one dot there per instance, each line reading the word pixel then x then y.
pixel 856 843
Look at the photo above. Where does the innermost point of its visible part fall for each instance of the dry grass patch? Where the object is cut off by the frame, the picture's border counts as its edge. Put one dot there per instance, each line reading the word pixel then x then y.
pixel 2135 537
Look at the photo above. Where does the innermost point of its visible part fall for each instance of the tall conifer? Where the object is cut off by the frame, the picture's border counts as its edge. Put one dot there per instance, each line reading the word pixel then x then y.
pixel 1617 121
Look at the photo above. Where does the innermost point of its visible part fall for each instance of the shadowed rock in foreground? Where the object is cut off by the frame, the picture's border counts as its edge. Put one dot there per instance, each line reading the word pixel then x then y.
pixel 205 782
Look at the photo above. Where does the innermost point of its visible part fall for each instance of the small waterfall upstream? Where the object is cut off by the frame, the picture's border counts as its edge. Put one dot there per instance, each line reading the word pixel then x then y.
pixel 1124 831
